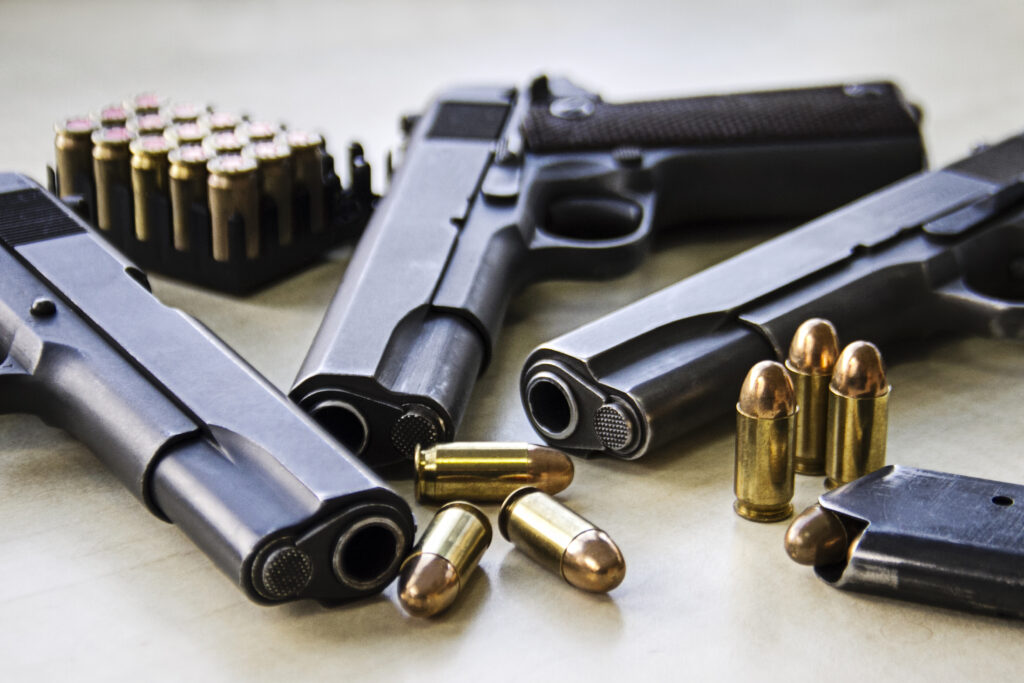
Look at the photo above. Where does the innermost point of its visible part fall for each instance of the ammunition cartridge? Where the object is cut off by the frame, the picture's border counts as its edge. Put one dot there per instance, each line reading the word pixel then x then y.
pixel 225 142
pixel 812 355
pixel 561 540
pixel 149 178
pixel 73 143
pixel 308 167
pixel 765 441
pixel 488 472
pixel 188 134
pixel 185 112
pixel 149 124
pixel 144 103
pixel 261 131
pixel 111 164
pixel 188 188
pixel 858 407
pixel 233 192
pixel 437 570
pixel 114 116
pixel 275 179
pixel 219 121
pixel 817 537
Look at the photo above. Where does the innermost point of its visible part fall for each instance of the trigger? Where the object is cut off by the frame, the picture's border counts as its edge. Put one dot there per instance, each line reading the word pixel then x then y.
pixel 593 218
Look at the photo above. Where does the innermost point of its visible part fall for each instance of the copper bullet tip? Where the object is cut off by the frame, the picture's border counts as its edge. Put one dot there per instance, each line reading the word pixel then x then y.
pixel 814 348
pixel 552 468
pixel 816 537
pixel 428 585
pixel 859 372
pixel 592 562
pixel 767 392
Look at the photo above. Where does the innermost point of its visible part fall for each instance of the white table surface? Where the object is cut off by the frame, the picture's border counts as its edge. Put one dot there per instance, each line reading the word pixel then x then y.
pixel 94 588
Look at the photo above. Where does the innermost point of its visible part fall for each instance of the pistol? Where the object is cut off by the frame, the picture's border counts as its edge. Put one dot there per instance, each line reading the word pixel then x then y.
pixel 196 434
pixel 501 187
pixel 941 251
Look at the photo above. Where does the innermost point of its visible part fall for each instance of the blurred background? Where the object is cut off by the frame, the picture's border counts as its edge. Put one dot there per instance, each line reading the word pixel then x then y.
pixel 92 587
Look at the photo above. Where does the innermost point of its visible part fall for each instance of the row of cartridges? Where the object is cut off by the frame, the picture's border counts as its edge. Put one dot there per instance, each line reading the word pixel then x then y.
pixel 204 174
pixel 823 412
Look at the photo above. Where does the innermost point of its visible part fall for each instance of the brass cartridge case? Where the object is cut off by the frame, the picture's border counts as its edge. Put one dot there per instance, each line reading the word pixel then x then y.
pixel 112 171
pixel 144 103
pixel 812 355
pixel 233 191
pixel 435 573
pixel 148 124
pixel 73 143
pixel 308 167
pixel 765 443
pixel 184 112
pixel 274 160
pixel 149 178
pixel 219 121
pixel 114 116
pixel 559 539
pixel 487 472
pixel 225 142
pixel 261 131
pixel 858 415
pixel 188 188
pixel 188 134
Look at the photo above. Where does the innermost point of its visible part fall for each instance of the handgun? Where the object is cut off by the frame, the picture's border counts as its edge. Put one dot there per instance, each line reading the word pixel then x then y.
pixel 941 251
pixel 500 187
pixel 195 433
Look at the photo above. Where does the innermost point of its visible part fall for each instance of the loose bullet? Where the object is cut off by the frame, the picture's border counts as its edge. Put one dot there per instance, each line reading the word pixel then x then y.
pixel 812 355
pixel 487 472
pixel 435 573
pixel 817 537
pixel 765 439
pixel 559 539
pixel 858 415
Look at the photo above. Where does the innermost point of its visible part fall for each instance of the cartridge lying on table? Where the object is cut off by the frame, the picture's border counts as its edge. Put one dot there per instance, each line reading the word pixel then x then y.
pixel 919 535
pixel 488 472
pixel 559 539
pixel 188 426
pixel 441 563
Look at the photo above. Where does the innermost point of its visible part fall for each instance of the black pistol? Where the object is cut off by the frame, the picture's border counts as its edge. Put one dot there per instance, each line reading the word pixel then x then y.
pixel 942 251
pixel 192 430
pixel 501 187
